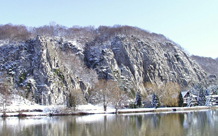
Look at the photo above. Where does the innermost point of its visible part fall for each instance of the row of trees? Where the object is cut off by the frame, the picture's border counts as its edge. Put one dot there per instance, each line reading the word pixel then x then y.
pixel 204 98
pixel 83 34
pixel 108 92
pixel 14 32
pixel 105 92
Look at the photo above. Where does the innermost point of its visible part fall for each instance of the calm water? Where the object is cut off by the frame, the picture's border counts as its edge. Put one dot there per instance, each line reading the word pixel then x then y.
pixel 199 123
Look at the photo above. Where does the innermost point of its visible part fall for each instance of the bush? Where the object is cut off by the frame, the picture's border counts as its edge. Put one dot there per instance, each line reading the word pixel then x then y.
pixel 71 101
pixel 132 106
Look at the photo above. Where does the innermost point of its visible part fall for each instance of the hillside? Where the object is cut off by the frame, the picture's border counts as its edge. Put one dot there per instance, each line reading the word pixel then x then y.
pixel 48 69
pixel 210 65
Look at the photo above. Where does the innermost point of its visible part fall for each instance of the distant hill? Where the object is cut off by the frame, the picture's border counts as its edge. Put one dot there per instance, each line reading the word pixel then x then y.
pixel 210 65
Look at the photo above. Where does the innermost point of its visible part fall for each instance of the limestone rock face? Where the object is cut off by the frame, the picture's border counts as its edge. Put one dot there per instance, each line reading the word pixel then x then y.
pixel 38 72
pixel 133 62
pixel 45 70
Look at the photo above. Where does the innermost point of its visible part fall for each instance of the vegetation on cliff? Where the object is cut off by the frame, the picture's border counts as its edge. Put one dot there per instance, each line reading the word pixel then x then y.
pixel 56 65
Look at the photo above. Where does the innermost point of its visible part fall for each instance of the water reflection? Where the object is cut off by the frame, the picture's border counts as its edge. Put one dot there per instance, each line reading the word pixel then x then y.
pixel 162 124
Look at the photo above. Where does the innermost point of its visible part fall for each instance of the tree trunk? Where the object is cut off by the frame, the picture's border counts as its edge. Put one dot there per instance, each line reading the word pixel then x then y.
pixel 74 108
pixel 116 110
pixel 4 109
pixel 105 107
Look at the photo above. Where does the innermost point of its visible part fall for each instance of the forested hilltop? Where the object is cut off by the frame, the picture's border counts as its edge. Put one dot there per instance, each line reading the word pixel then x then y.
pixel 82 34
pixel 57 65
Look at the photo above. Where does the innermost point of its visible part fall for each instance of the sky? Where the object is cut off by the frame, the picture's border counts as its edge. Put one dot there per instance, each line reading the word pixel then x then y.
pixel 193 24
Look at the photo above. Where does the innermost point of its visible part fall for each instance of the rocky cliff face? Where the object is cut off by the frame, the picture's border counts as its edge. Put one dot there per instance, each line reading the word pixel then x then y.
pixel 133 62
pixel 36 70
pixel 45 71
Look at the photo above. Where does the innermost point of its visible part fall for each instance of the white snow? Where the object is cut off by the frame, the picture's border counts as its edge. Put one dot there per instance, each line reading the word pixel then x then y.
pixel 94 118
pixel 89 107
pixel 19 104
pixel 3 42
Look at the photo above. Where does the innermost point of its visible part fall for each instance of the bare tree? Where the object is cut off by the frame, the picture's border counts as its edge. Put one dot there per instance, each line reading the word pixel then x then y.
pixel 168 93
pixel 118 97
pixel 14 32
pixel 74 98
pixel 108 92
pixel 5 93
pixel 101 93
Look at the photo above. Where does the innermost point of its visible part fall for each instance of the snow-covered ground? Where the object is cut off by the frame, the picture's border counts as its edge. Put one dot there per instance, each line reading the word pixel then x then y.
pixel 19 105
pixel 16 104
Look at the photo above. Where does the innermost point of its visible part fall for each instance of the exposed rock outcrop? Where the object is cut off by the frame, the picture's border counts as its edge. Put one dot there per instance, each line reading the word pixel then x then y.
pixel 133 62
pixel 43 69
pixel 37 71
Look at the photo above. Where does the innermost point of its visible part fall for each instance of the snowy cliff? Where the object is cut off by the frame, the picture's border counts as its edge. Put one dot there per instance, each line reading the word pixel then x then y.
pixel 47 70
pixel 133 62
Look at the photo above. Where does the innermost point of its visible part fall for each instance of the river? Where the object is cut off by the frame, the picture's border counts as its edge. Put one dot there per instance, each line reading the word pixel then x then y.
pixel 194 123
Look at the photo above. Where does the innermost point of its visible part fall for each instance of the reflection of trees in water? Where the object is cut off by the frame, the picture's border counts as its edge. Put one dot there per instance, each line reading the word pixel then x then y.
pixel 48 126
pixel 162 124
pixel 156 121
pixel 139 121
pixel 199 123
pixel 117 125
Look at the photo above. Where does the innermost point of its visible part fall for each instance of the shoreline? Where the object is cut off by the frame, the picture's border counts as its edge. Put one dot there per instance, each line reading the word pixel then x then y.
pixel 120 111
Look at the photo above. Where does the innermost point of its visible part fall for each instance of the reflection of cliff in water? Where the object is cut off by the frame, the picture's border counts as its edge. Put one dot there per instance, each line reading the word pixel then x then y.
pixel 171 124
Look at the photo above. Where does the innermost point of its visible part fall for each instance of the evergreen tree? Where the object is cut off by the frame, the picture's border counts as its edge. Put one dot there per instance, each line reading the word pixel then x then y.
pixel 208 101
pixel 138 100
pixel 72 101
pixel 180 101
pixel 207 93
pixel 201 98
pixel 155 101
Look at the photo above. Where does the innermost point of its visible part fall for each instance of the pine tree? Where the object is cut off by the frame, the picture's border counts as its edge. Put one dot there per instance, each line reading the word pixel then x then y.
pixel 180 101
pixel 155 101
pixel 138 100
pixel 201 98
pixel 207 93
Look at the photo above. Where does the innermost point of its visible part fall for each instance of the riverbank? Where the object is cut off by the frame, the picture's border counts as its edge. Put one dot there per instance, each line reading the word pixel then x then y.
pixel 90 109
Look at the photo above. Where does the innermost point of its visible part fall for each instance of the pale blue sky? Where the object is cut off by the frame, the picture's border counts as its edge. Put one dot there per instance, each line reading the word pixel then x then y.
pixel 191 23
